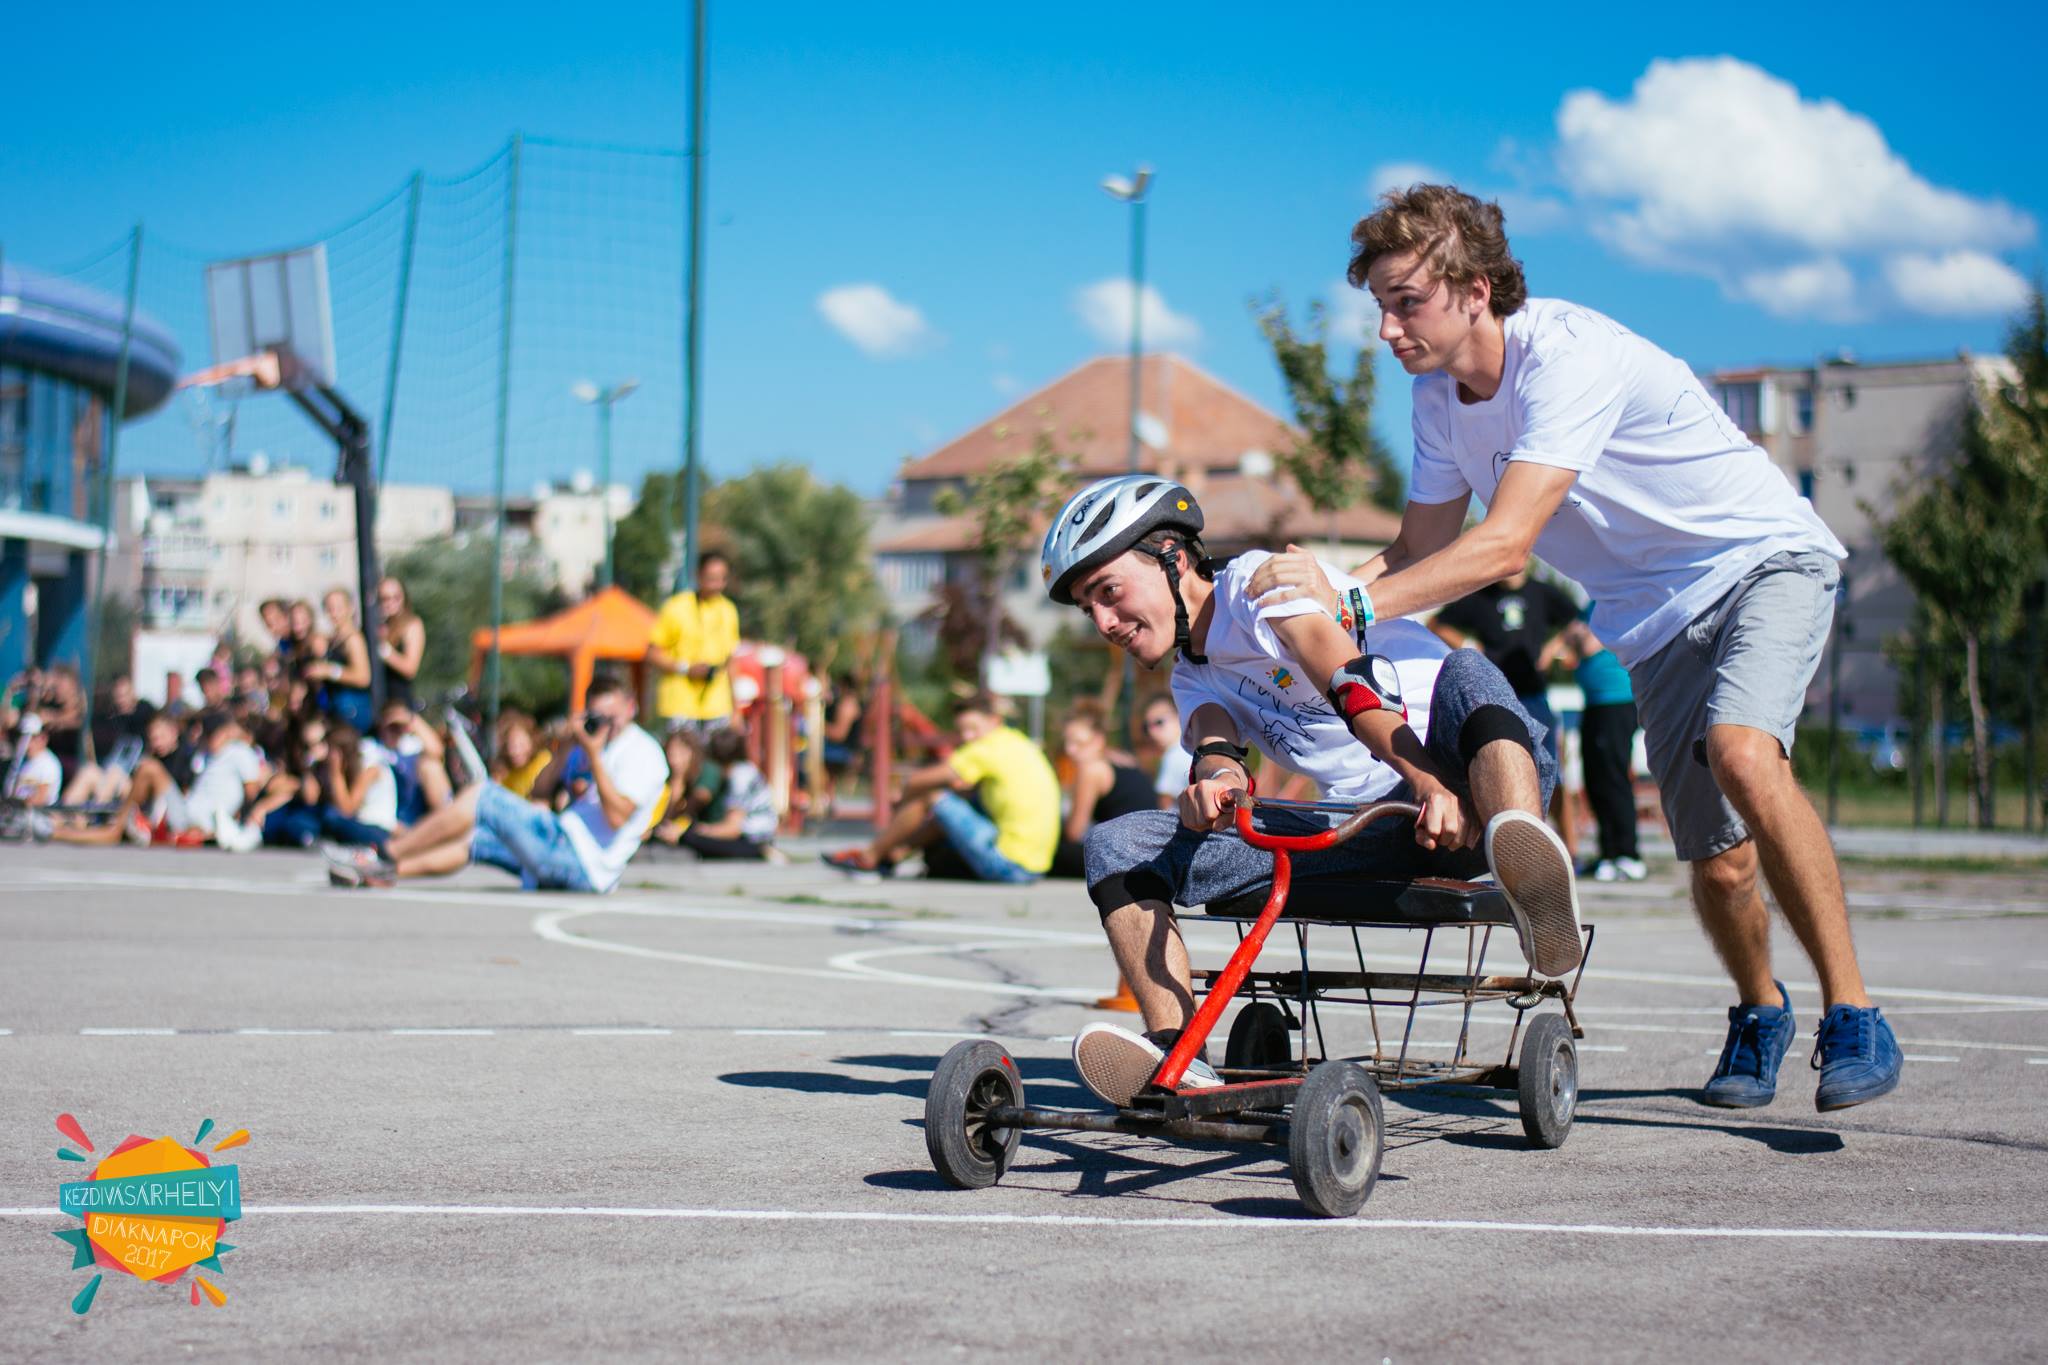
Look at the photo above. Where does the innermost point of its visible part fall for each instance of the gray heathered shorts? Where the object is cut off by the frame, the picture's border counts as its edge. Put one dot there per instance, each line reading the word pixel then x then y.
pixel 1149 855
pixel 1746 660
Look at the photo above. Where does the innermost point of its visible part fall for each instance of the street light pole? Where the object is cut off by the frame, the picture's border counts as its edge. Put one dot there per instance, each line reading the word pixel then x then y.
pixel 603 399
pixel 1132 192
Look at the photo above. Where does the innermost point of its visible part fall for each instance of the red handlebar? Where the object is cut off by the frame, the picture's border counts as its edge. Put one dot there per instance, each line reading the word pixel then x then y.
pixel 1314 843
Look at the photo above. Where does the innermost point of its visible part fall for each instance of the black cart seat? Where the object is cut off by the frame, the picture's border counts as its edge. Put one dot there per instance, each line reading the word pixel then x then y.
pixel 1426 902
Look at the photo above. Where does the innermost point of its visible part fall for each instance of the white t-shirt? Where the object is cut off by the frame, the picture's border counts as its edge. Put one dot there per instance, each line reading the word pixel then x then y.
pixel 1173 771
pixel 747 791
pixel 39 779
pixel 639 770
pixel 1673 503
pixel 1285 715
pixel 222 785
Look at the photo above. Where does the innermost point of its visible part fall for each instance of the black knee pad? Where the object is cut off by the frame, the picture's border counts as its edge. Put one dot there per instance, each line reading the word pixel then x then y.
pixel 1119 889
pixel 1489 723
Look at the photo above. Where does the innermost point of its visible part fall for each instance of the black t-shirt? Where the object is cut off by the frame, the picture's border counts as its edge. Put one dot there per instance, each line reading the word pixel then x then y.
pixel 110 727
pixel 1511 625
pixel 1130 791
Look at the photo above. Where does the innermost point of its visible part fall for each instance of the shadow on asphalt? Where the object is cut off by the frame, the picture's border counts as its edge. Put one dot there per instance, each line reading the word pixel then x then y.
pixel 1047 1080
pixel 1783 1139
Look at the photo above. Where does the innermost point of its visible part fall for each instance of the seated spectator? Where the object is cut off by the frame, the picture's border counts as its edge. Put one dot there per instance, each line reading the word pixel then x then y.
pixel 691 780
pixel 302 643
pixel 1106 784
pixel 845 737
pixel 276 615
pixel 519 753
pixel 1162 727
pixel 175 704
pixel 161 808
pixel 585 848
pixel 343 668
pixel 213 688
pixel 739 820
pixel 1007 833
pixel 62 707
pixel 34 776
pixel 249 684
pixel 332 786
pixel 416 757
pixel 401 641
pixel 118 739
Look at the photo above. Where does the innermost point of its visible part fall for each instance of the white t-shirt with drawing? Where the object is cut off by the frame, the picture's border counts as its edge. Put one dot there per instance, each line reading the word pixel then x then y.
pixel 1673 503
pixel 639 770
pixel 1285 715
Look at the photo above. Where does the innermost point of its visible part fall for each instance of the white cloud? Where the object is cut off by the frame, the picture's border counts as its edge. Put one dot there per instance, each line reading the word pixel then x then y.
pixel 1955 284
pixel 1819 288
pixel 1005 384
pixel 1105 310
pixel 1399 175
pixel 1712 166
pixel 872 319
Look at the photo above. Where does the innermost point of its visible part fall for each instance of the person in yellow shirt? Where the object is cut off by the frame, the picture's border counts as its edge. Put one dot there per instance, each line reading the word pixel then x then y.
pixel 1006 833
pixel 694 636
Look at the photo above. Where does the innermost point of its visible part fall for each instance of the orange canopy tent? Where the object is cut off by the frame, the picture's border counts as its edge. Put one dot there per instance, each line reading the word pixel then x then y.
pixel 614 625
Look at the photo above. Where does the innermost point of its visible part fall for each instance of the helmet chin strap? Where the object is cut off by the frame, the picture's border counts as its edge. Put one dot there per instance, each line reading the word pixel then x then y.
pixel 1168 556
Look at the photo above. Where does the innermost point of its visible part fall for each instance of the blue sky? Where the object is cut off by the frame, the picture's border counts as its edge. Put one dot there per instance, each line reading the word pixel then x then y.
pixel 1868 180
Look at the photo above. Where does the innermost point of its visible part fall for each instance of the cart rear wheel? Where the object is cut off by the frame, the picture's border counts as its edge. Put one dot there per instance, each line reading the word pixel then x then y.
pixel 973 1078
pixel 1258 1038
pixel 1549 1081
pixel 1335 1139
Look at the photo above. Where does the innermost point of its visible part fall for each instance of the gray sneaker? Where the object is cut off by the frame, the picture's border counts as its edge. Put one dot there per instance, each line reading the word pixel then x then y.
pixel 1535 873
pixel 1116 1063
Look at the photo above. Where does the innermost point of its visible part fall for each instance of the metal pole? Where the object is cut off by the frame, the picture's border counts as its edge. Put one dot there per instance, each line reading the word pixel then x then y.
pixel 1127 700
pixel 693 309
pixel 1915 747
pixel 116 411
pixel 495 688
pixel 405 255
pixel 604 479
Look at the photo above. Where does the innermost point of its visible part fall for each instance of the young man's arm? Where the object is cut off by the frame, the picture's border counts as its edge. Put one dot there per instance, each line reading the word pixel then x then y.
pixel 934 777
pixel 617 806
pixel 1528 496
pixel 1321 647
pixel 1426 527
pixel 1214 777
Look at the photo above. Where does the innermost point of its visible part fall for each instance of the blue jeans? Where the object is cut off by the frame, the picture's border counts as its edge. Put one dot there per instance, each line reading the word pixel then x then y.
pixel 298 825
pixel 973 836
pixel 526 840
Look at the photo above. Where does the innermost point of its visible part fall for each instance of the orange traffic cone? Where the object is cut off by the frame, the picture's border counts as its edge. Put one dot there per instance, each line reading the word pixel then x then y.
pixel 1121 999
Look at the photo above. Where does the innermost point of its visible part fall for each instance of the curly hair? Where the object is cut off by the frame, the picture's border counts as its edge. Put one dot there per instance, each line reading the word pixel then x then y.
pixel 1459 238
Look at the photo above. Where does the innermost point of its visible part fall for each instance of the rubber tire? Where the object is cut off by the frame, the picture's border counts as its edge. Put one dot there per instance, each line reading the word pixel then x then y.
pixel 1548 1084
pixel 973 1077
pixel 1335 1139
pixel 1258 1038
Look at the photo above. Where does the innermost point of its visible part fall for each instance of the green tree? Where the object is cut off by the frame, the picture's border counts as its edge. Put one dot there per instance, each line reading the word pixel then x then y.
pixel 1338 461
pixel 1008 503
pixel 449 582
pixel 1969 543
pixel 802 575
pixel 643 541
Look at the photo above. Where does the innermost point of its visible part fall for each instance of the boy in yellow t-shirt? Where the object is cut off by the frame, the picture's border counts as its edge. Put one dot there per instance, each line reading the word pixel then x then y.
pixel 694 636
pixel 1006 833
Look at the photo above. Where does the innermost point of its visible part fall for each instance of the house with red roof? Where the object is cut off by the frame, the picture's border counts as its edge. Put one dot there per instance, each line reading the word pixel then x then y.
pixel 1192 426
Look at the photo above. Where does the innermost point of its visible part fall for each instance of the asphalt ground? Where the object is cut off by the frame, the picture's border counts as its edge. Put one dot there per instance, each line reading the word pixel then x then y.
pixel 685 1121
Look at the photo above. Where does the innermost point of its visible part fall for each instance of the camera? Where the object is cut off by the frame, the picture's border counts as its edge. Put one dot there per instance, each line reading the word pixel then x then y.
pixel 593 725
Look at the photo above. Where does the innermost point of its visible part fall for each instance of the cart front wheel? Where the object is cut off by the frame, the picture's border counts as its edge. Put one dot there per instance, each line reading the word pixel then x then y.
pixel 1258 1039
pixel 1335 1139
pixel 1549 1081
pixel 972 1079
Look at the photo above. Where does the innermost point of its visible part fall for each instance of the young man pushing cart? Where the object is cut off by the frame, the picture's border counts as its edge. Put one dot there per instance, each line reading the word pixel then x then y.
pixel 1714 580
pixel 1408 720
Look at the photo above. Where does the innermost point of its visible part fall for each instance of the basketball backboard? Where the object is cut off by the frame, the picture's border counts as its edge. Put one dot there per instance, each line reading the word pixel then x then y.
pixel 276 304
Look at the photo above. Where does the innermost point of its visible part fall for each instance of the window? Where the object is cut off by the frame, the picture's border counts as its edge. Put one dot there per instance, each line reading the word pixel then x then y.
pixel 327 558
pixel 1802 411
pixel 280 508
pixel 281 554
pixel 327 509
pixel 1806 484
pixel 1744 405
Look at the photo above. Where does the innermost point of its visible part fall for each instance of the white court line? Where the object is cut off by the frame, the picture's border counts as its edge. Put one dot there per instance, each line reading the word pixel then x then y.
pixel 127 1032
pixel 1607 1047
pixel 441 1032
pixel 937 1033
pixel 779 1032
pixel 1923 1057
pixel 621 1032
pixel 2037 1061
pixel 283 1032
pixel 1073 1220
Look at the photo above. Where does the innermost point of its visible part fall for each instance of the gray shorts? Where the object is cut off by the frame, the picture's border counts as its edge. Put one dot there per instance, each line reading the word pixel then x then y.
pixel 1746 660
pixel 1149 855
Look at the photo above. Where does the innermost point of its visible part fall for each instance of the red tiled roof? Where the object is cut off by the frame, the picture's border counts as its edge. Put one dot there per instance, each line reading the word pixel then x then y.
pixel 1208 424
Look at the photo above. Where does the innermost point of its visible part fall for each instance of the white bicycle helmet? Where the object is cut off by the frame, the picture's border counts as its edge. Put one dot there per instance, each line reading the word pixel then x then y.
pixel 1111 516
pixel 1107 518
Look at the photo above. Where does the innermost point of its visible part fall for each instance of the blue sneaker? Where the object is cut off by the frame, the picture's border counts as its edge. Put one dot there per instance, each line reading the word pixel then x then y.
pixel 1857 1057
pixel 1759 1036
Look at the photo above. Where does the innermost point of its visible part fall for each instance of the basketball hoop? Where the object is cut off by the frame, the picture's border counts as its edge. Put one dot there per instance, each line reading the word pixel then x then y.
pixel 265 371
